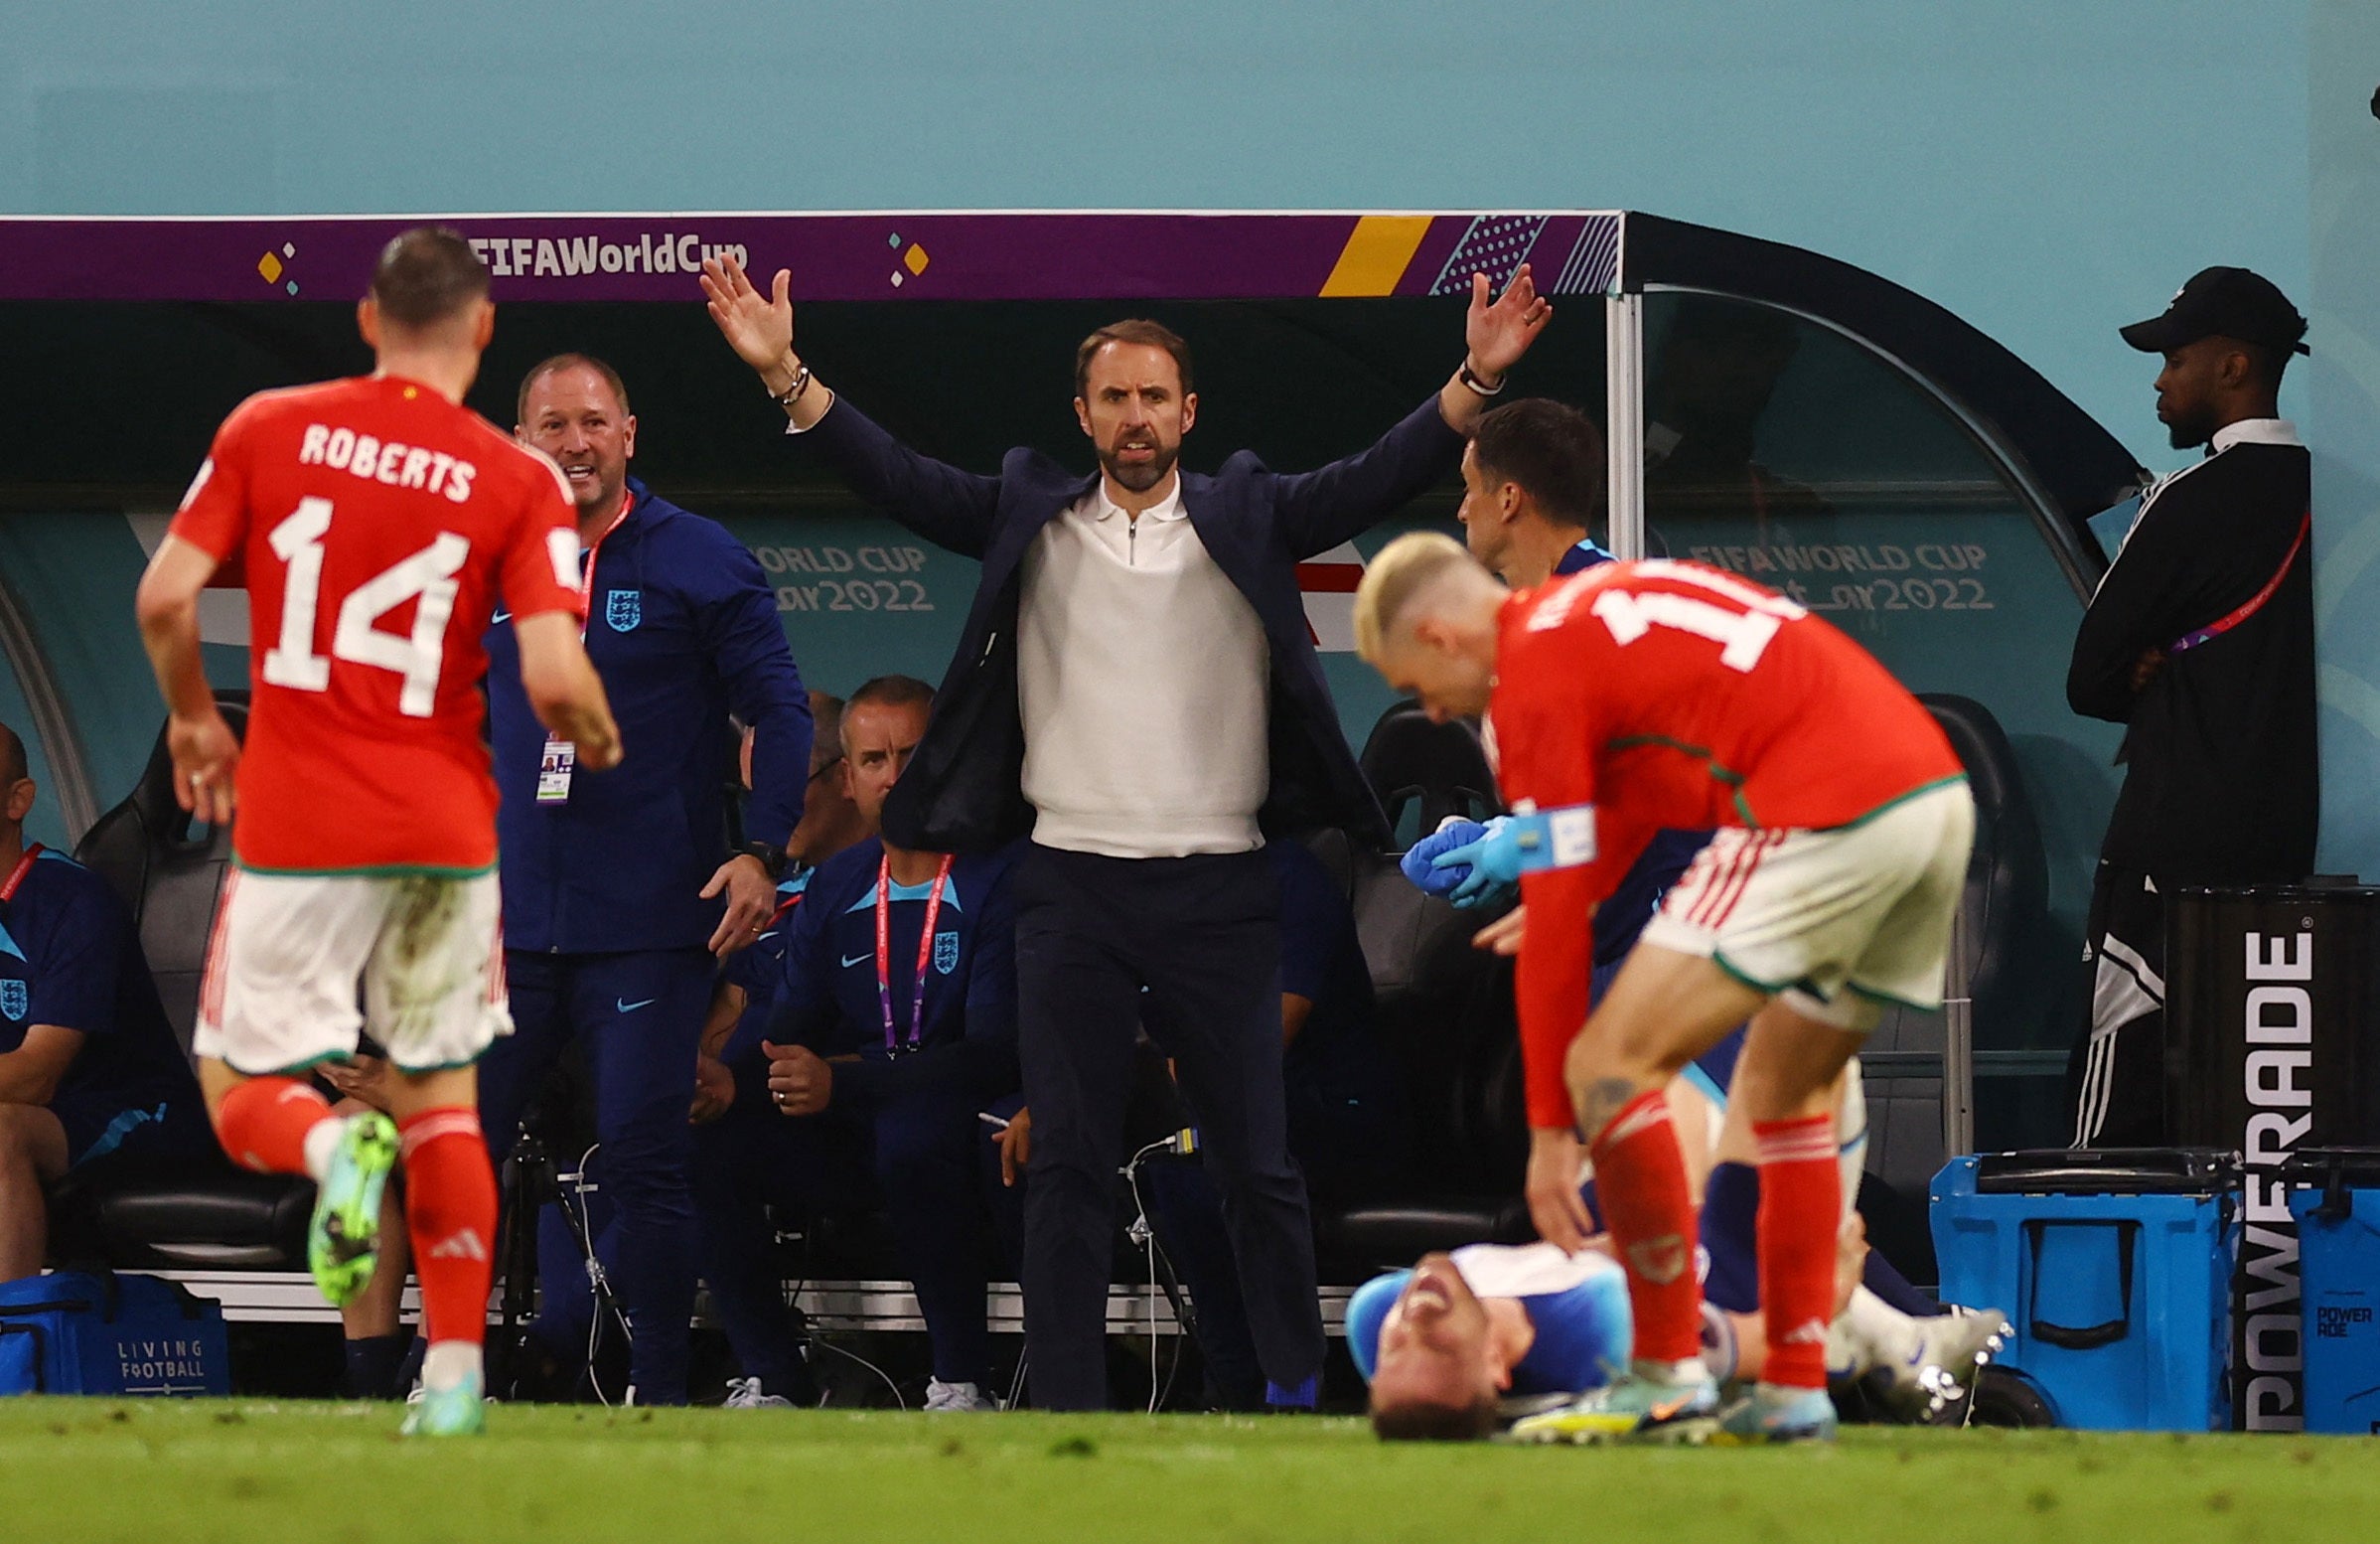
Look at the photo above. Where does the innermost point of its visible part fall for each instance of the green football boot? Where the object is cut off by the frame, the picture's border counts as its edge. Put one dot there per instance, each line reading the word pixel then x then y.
pixel 343 1242
pixel 1632 1408
pixel 460 1410
pixel 1769 1413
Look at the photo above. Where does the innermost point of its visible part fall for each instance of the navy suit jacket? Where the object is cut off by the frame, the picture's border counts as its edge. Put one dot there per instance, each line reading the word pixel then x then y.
pixel 963 791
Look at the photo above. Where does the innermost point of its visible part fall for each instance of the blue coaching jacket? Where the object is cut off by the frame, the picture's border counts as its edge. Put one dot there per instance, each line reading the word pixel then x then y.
pixel 964 792
pixel 682 628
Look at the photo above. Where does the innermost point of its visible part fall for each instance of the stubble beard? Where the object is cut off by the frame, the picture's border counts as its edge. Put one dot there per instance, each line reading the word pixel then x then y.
pixel 1139 476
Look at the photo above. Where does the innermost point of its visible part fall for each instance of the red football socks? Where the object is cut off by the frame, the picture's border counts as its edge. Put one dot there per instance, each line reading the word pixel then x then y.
pixel 450 1210
pixel 1801 1200
pixel 262 1123
pixel 1641 1183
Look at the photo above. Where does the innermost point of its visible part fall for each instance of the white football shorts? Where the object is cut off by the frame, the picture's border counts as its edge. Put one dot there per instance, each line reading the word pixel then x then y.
pixel 1836 922
pixel 290 951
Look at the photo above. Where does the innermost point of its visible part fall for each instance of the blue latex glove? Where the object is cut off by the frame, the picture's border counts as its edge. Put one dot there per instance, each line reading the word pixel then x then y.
pixel 1491 865
pixel 1419 860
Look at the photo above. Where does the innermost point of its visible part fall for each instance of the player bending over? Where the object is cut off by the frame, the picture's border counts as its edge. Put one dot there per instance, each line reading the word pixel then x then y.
pixel 1642 695
pixel 376 522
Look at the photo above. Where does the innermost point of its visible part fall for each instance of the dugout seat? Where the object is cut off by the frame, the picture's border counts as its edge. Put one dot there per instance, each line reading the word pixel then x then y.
pixel 1423 772
pixel 200 1215
pixel 1443 1010
pixel 2004 907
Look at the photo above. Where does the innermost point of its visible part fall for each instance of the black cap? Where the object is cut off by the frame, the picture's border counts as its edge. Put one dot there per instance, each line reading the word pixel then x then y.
pixel 2222 302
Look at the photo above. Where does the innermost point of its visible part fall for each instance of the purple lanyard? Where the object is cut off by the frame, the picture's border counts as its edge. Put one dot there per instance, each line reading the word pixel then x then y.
pixel 925 950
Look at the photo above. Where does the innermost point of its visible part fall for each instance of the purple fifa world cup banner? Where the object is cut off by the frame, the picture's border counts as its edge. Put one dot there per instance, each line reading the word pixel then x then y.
pixel 833 256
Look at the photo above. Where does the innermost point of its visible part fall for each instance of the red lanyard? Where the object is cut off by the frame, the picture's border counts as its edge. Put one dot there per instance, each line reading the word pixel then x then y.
pixel 925 950
pixel 2255 602
pixel 586 578
pixel 16 875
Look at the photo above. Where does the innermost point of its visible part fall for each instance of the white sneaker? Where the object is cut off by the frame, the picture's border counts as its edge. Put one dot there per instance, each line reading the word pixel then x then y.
pixel 746 1394
pixel 958 1396
pixel 1931 1384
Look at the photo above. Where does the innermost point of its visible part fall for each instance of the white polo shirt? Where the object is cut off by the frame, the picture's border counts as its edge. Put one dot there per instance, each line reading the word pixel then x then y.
pixel 1144 687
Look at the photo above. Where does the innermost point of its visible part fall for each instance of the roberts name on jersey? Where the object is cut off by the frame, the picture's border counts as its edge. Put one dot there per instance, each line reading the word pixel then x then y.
pixel 392 463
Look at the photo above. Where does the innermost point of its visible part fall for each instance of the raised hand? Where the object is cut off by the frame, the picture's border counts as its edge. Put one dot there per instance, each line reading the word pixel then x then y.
pixel 760 328
pixel 1498 333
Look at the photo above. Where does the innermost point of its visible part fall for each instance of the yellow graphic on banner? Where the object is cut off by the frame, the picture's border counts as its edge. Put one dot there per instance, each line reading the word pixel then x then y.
pixel 1376 254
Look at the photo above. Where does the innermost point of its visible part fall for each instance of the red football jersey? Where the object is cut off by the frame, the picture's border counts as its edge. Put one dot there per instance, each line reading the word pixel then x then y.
pixel 1638 697
pixel 376 525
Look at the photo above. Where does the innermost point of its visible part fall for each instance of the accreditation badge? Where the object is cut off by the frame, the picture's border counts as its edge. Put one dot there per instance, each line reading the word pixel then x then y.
pixel 553 771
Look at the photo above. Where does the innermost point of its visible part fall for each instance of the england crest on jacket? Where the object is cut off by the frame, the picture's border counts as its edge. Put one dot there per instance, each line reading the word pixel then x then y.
pixel 14 999
pixel 624 609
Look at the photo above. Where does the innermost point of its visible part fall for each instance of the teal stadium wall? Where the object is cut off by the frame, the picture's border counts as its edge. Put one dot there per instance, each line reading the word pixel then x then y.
pixel 2345 380
pixel 2047 170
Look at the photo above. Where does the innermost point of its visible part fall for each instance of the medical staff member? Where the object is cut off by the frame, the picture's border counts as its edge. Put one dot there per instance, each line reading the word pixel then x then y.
pixel 619 889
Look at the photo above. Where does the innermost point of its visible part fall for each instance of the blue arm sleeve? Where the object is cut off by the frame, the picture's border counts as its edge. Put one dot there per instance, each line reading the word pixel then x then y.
pixel 75 964
pixel 1318 510
pixel 1309 927
pixel 948 507
pixel 804 1004
pixel 747 647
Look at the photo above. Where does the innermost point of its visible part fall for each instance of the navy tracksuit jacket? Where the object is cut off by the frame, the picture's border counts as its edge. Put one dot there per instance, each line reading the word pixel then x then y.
pixel 605 927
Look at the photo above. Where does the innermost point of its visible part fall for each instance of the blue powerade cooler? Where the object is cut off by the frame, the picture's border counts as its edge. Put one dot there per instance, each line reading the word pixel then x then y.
pixel 2336 1198
pixel 2114 1269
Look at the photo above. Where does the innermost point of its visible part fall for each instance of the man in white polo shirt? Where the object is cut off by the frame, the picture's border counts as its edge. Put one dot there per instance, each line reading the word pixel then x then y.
pixel 1137 688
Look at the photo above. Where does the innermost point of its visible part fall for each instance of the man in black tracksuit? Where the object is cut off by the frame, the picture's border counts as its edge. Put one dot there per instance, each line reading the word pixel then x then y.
pixel 2200 642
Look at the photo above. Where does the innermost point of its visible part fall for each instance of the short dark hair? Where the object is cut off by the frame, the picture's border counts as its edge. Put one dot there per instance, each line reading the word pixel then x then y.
pixel 426 276
pixel 1155 335
pixel 13 766
pixel 1422 1421
pixel 1552 450
pixel 890 692
pixel 547 366
pixel 2266 361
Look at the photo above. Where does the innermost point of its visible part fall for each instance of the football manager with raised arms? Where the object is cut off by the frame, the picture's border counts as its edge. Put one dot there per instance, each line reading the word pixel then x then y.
pixel 619 888
pixel 1135 687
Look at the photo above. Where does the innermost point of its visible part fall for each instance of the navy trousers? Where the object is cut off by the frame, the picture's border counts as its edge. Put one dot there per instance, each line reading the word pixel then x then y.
pixel 921 1159
pixel 638 1018
pixel 1190 948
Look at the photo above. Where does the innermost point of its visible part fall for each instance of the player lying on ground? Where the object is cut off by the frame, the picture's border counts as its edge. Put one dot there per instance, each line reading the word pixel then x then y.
pixel 1643 695
pixel 1462 1338
pixel 376 522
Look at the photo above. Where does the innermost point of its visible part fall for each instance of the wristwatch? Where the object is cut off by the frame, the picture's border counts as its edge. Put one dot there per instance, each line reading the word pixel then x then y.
pixel 1472 381
pixel 771 859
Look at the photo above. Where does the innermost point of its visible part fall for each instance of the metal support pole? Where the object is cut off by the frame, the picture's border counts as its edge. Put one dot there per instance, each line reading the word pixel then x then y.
pixel 1625 396
pixel 1957 1040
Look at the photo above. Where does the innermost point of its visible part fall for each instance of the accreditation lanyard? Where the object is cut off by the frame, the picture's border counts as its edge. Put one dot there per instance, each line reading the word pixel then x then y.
pixel 16 875
pixel 557 763
pixel 2254 603
pixel 586 577
pixel 924 952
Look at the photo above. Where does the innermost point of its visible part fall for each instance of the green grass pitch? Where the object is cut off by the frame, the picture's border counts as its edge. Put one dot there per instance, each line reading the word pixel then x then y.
pixel 246 1472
